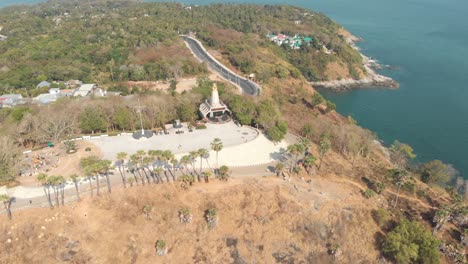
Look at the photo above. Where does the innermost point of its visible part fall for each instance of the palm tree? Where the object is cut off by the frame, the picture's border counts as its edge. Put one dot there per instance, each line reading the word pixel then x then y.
pixel 193 156
pixel 105 166
pixel 441 217
pixel 60 181
pixel 132 169
pixel 147 209
pixel 89 174
pixel 306 143
pixel 146 162
pixel 400 177
pixel 295 150
pixel 168 156
pixel 75 179
pixel 224 173
pixel 157 171
pixel 217 146
pixel 202 153
pixel 88 165
pixel 52 181
pixel 161 247
pixel 96 171
pixel 174 163
pixel 187 180
pixel 206 175
pixel 42 178
pixel 279 168
pixel 7 200
pixel 143 161
pixel 131 180
pixel 309 161
pixel 324 147
pixel 135 162
pixel 121 156
pixel 185 161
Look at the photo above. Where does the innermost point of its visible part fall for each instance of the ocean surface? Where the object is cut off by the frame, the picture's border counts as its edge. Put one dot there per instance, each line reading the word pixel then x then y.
pixel 427 41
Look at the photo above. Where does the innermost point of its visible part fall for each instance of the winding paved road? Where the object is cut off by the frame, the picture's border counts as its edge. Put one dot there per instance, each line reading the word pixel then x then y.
pixel 199 51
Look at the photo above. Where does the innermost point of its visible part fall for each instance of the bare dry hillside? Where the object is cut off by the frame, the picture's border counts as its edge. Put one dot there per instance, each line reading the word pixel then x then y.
pixel 261 220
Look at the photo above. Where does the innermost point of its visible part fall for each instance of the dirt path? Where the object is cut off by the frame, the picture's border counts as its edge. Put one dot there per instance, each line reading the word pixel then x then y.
pixel 401 195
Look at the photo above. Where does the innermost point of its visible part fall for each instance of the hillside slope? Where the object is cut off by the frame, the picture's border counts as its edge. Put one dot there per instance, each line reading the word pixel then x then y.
pixel 261 220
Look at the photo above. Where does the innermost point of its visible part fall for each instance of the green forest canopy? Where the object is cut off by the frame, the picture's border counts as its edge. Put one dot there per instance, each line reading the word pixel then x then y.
pixel 113 41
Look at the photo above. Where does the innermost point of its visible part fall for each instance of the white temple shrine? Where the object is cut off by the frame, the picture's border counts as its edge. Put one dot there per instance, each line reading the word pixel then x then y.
pixel 213 108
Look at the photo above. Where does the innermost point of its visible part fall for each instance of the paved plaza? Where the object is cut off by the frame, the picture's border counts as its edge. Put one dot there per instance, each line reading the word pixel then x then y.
pixel 243 145
pixel 229 133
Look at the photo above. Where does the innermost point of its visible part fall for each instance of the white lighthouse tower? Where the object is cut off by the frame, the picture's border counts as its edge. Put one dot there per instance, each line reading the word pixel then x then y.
pixel 213 107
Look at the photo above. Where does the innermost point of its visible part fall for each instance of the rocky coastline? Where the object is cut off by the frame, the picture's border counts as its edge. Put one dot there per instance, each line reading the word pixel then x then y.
pixel 373 79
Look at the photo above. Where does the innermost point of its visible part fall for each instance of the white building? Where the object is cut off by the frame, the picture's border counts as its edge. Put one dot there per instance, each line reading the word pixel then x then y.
pixel 85 90
pixel 213 107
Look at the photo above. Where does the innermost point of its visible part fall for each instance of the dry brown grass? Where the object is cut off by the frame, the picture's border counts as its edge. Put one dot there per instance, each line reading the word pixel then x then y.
pixel 162 52
pixel 261 220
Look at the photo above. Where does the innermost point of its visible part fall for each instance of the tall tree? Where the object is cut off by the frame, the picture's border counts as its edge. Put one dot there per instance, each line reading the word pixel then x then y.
pixel 224 173
pixel 9 157
pixel 437 172
pixel 309 162
pixel 105 167
pixel 60 182
pixel 53 181
pixel 279 168
pixel 42 178
pixel 202 154
pixel 401 154
pixel 323 148
pixel 75 179
pixel 121 156
pixel 92 120
pixel 217 146
pixel 7 200
pixel 400 177
pixel 185 161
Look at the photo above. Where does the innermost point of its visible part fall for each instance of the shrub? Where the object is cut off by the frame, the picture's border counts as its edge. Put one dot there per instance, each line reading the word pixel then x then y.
pixel 223 173
pixel 161 247
pixel 368 193
pixel 408 186
pixel 421 194
pixel 201 127
pixel 70 146
pixel 377 187
pixel 317 99
pixel 211 216
pixel 381 217
pixel 409 242
pixel 87 149
pixel 185 216
pixel 330 106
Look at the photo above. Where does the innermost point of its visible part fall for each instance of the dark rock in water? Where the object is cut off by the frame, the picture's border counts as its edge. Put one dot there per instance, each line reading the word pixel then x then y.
pixel 393 68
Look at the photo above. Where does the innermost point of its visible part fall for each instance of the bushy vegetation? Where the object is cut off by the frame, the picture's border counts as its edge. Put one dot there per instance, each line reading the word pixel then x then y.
pixel 381 217
pixel 111 41
pixel 410 242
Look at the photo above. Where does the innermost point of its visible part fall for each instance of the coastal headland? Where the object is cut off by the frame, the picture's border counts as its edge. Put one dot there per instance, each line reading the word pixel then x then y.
pixel 371 78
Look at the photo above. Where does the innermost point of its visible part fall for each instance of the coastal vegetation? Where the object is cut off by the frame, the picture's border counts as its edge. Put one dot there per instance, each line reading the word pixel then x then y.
pixel 113 42
pixel 109 42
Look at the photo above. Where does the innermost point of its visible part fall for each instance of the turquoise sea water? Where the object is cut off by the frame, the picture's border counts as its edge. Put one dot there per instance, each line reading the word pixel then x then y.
pixel 428 41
